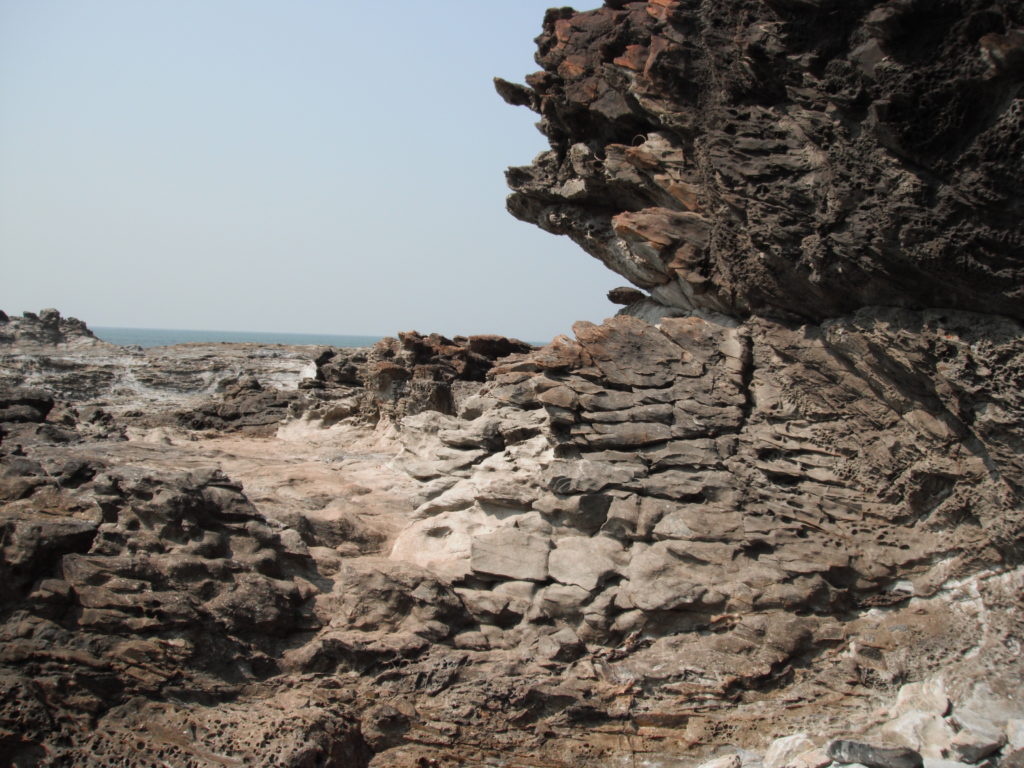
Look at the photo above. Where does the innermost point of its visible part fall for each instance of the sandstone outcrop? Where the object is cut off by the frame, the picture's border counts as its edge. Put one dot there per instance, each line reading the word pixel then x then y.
pixel 402 376
pixel 46 329
pixel 770 514
pixel 643 541
pixel 801 158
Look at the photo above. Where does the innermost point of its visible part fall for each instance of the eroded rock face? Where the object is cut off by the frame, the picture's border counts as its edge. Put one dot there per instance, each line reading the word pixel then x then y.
pixel 791 158
pixel 645 541
pixel 46 329
pixel 739 516
pixel 241 387
pixel 699 507
pixel 132 601
pixel 403 376
pixel 732 468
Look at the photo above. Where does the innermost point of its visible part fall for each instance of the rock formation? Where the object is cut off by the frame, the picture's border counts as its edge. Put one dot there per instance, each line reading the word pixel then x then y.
pixel 770 514
pixel 800 158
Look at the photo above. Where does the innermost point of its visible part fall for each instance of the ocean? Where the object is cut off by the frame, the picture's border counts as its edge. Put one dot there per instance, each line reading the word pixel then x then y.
pixel 161 337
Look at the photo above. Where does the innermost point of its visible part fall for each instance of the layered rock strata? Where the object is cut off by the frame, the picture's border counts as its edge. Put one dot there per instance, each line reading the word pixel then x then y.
pixel 795 157
pixel 769 515
pixel 243 387
pixel 646 541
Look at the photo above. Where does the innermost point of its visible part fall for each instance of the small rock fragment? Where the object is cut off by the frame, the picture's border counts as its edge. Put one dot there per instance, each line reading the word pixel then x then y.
pixel 727 761
pixel 927 733
pixel 784 751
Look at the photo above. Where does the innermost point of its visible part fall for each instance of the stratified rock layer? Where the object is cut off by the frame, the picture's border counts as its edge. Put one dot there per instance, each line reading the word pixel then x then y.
pixel 702 467
pixel 740 515
pixel 794 157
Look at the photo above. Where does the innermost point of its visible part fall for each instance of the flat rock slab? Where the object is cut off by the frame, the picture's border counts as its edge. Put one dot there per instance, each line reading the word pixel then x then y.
pixel 583 560
pixel 512 554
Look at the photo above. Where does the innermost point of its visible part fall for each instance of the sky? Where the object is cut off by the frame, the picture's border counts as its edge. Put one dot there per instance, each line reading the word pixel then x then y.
pixel 280 165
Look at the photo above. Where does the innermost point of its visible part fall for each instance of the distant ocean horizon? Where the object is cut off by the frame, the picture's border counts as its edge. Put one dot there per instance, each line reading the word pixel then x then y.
pixel 162 337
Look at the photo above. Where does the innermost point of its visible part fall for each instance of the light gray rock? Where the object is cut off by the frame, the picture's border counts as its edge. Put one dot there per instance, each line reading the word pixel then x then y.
pixel 928 733
pixel 783 752
pixel 1015 733
pixel 938 762
pixel 584 561
pixel 812 758
pixel 928 696
pixel 986 712
pixel 516 590
pixel 511 554
pixel 443 543
pixel 727 761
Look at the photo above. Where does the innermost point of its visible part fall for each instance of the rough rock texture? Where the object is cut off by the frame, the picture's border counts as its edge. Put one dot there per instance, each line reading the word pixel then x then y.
pixel 156 385
pixel 46 329
pixel 730 502
pixel 413 373
pixel 770 514
pixel 248 388
pixel 794 157
pixel 645 542
pixel 134 604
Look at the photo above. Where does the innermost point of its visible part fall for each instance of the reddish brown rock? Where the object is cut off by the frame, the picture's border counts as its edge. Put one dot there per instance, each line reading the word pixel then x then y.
pixel 836 159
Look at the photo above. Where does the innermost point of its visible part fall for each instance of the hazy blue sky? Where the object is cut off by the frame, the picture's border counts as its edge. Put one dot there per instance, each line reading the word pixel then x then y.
pixel 284 165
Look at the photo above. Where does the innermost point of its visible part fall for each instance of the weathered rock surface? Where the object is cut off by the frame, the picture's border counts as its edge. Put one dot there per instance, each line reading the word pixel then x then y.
pixel 46 329
pixel 786 157
pixel 855 752
pixel 770 514
pixel 588 560
pixel 403 376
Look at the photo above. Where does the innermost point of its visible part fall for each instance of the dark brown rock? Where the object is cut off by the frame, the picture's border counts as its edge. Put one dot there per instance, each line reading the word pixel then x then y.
pixel 761 157
pixel 625 295
pixel 846 752
pixel 25 405
pixel 414 373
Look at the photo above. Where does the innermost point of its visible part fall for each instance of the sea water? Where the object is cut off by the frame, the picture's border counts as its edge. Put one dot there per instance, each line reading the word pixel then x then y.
pixel 160 337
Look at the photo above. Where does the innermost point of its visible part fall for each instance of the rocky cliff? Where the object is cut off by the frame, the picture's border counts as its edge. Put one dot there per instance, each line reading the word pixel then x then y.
pixel 798 158
pixel 773 506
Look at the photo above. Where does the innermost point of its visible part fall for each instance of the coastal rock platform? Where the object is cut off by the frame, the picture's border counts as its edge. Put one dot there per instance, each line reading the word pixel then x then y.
pixel 709 548
pixel 770 514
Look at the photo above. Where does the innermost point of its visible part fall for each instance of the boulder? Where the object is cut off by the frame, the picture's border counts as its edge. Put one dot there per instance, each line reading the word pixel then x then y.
pixel 970 746
pixel 925 732
pixel 928 697
pixel 782 753
pixel 562 645
pixel 849 752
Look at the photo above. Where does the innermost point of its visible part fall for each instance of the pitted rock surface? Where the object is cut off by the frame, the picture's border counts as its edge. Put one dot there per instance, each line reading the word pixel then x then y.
pixel 731 469
pixel 792 158
pixel 771 508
